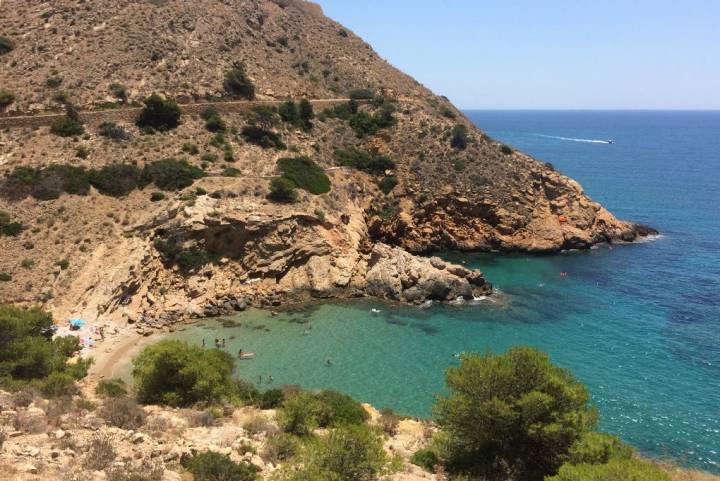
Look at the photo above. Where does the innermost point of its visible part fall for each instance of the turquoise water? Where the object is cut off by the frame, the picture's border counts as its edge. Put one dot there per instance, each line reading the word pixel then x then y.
pixel 639 324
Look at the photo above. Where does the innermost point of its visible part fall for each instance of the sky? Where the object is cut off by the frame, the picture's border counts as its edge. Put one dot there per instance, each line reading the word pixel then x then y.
pixel 549 54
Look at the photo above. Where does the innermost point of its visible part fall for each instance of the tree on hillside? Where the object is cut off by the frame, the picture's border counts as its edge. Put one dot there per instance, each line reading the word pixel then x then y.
pixel 159 114
pixel 511 416
pixel 238 83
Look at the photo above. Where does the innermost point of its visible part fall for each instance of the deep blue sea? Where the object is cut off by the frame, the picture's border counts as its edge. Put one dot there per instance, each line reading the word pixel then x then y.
pixel 639 324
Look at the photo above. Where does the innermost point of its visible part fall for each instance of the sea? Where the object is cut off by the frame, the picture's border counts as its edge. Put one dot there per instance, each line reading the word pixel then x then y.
pixel 639 324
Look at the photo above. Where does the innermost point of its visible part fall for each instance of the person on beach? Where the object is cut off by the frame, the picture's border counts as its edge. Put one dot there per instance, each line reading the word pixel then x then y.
pixel 203 342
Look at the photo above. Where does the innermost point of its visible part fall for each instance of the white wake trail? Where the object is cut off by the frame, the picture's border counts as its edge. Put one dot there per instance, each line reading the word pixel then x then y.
pixel 570 139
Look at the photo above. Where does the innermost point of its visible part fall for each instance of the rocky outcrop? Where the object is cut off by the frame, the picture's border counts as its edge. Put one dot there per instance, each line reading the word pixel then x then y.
pixel 395 274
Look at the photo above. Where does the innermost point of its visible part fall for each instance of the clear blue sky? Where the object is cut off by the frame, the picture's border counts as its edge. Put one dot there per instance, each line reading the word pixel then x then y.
pixel 555 54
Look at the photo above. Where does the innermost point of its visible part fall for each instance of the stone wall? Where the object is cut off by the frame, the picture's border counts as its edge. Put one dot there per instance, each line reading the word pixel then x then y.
pixel 128 115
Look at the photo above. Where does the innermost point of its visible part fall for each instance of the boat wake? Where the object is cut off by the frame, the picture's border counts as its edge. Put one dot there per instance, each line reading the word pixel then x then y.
pixel 571 139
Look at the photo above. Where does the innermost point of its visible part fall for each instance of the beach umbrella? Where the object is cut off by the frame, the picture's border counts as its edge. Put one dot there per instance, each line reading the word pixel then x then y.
pixel 77 323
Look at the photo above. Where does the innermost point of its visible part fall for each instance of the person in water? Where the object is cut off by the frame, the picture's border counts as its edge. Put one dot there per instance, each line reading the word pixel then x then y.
pixel 328 362
pixel 223 342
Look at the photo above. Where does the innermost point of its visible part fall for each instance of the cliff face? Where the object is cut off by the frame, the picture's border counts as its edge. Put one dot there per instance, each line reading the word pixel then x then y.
pixel 456 187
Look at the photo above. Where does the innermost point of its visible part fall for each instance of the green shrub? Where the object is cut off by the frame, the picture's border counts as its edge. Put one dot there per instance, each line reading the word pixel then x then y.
pixel 63 264
pixel 8 227
pixel 282 190
pixel 5 277
pixel 615 470
pixel 47 183
pixel 299 116
pixel 228 153
pixel 459 139
pixel 177 374
pixel 187 259
pixel 54 82
pixel 426 459
pixel 238 83
pixel 349 453
pixel 305 174
pixel 159 114
pixel 361 94
pixel 212 466
pixel 231 172
pixel 6 45
pixel 113 131
pixel 82 152
pixel 6 98
pixel 300 414
pixel 361 160
pixel 119 91
pixel 116 180
pixel 598 448
pixel 387 184
pixel 171 174
pixel 280 447
pixel 68 126
pixel 447 112
pixel 537 409
pixel 209 157
pixel 271 399
pixel 27 263
pixel 111 388
pixel 190 148
pixel 122 412
pixel 31 357
pixel 340 409
pixel 157 196
pixel 61 97
pixel 264 138
pixel 215 123
pixel 505 149
pixel 264 116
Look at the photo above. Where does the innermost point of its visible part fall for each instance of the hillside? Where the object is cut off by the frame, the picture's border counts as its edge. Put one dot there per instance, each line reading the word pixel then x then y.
pixel 427 178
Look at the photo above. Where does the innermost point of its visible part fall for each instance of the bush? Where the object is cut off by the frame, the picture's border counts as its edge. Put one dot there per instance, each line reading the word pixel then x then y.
pixel 215 123
pixel 264 138
pixel 6 45
pixel 361 160
pixel 361 94
pixel 349 453
pixel 238 83
pixel 271 399
pixel 119 91
pixel 157 197
pixel 82 152
pixel 190 148
pixel 122 412
pixel 113 131
pixel 598 448
pixel 299 116
pixel 231 172
pixel 459 138
pixel 340 409
pixel 615 470
pixel 187 259
pixel 46 183
pixel 63 264
pixel 282 190
pixel 389 421
pixel 538 410
pixel 177 374
pixel 171 174
pixel 305 174
pixel 387 184
pixel 110 388
pixel 505 149
pixel 100 453
pixel 280 447
pixel 159 114
pixel 426 459
pixel 299 414
pixel 115 180
pixel 264 116
pixel 447 112
pixel 54 82
pixel 67 127
pixel 6 98
pixel 8 227
pixel 212 466
pixel 5 277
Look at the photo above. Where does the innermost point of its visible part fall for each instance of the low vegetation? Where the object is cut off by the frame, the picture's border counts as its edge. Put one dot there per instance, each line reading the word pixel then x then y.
pixel 119 91
pixel 8 227
pixel 460 138
pixel 188 258
pixel 361 94
pixel 237 83
pixel 213 120
pixel 387 184
pixel 305 174
pixel 159 114
pixel 359 159
pixel 70 125
pixel 298 115
pixel 6 45
pixel 30 357
pixel 212 466
pixel 364 123
pixel 6 98
pixel 171 174
pixel 283 191
pixel 266 139
pixel 113 131
pixel 304 412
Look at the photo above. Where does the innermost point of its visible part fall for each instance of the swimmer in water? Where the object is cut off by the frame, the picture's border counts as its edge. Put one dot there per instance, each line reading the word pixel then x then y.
pixel 328 362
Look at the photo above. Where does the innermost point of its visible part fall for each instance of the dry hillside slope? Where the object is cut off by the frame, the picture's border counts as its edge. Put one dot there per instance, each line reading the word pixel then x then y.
pixel 218 244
